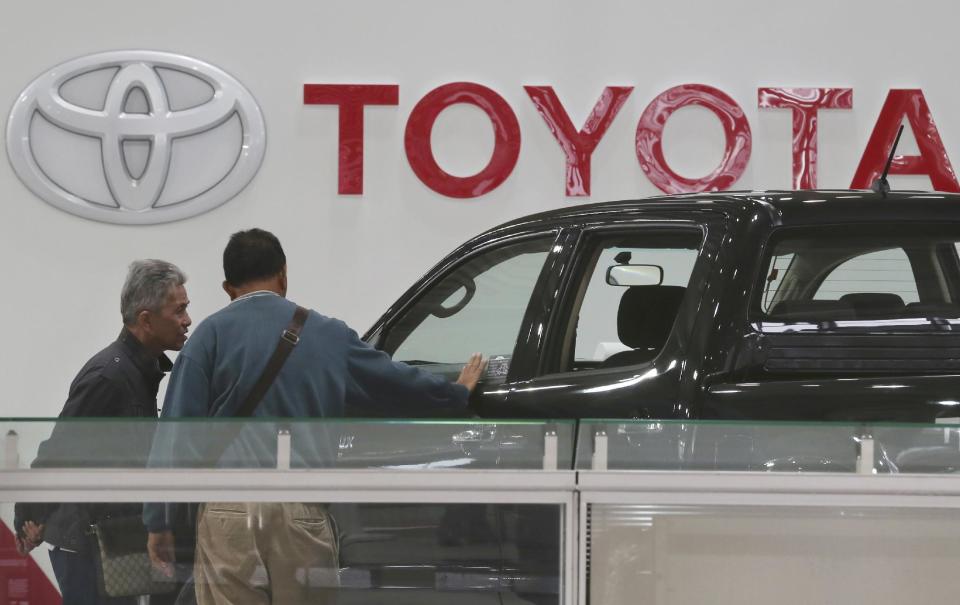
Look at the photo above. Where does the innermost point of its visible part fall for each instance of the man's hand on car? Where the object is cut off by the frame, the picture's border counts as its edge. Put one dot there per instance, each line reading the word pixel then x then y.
pixel 472 372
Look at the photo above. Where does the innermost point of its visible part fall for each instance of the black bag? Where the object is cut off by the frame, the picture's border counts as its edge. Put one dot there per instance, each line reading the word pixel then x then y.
pixel 123 565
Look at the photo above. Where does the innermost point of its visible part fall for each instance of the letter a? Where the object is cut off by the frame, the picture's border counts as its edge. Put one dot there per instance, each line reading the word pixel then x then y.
pixel 932 161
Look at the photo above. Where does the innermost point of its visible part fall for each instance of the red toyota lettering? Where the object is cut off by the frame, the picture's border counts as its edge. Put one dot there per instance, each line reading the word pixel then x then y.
pixel 736 131
pixel 351 99
pixel 932 161
pixel 805 104
pixel 506 135
pixel 577 145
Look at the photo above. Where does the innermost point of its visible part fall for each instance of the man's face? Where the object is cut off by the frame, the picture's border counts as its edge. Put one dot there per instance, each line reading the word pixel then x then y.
pixel 168 326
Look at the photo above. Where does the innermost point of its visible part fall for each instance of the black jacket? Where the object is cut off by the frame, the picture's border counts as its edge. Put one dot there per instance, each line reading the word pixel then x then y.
pixel 119 382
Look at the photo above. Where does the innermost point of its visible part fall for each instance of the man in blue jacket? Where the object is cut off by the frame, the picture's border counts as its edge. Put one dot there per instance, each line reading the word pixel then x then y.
pixel 240 560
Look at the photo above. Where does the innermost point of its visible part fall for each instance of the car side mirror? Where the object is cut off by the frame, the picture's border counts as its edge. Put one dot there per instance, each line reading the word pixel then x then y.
pixel 635 275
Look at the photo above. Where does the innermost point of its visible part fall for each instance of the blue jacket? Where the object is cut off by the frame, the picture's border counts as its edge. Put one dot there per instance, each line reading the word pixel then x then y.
pixel 328 371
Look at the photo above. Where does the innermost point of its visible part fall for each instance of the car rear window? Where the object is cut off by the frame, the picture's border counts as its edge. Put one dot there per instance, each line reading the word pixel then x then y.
pixel 856 277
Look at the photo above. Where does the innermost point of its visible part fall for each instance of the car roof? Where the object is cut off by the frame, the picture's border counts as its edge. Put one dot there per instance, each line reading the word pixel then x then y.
pixel 806 207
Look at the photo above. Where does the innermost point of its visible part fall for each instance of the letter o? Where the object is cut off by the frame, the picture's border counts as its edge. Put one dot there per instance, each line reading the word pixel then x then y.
pixel 506 133
pixel 736 130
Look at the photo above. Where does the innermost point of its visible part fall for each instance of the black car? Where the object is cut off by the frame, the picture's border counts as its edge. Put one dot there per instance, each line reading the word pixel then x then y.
pixel 730 302
pixel 762 306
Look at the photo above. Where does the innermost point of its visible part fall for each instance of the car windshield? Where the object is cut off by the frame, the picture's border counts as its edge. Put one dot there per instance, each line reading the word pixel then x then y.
pixel 901 278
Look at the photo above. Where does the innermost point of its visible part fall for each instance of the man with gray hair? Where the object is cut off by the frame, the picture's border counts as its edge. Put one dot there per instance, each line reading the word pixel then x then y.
pixel 122 380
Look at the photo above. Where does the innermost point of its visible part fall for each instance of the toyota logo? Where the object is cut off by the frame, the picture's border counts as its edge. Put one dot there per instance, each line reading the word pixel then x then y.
pixel 135 137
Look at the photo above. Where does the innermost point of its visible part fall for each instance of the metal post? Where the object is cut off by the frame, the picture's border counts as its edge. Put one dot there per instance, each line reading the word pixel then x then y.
pixel 865 457
pixel 11 457
pixel 599 462
pixel 947 430
pixel 550 451
pixel 283 450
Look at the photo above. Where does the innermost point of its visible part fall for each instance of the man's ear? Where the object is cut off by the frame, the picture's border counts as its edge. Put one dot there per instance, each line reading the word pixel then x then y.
pixel 144 320
pixel 283 281
pixel 230 290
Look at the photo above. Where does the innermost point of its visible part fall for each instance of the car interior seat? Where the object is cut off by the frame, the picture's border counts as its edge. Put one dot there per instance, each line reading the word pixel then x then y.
pixel 644 321
pixel 812 310
pixel 875 305
pixel 932 310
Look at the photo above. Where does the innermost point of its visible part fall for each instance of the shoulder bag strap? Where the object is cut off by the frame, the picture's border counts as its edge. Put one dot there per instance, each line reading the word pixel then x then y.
pixel 288 340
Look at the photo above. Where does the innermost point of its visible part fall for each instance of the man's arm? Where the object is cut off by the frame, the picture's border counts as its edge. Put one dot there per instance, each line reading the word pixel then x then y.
pixel 188 392
pixel 95 394
pixel 182 444
pixel 160 548
pixel 70 445
pixel 374 378
pixel 175 445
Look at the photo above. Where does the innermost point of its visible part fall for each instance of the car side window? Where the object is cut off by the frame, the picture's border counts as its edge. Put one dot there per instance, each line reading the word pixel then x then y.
pixel 629 298
pixel 477 307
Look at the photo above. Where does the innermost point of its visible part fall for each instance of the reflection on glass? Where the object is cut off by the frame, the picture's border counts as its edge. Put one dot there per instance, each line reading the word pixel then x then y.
pixel 256 443
pixel 727 446
pixel 788 447
pixel 299 553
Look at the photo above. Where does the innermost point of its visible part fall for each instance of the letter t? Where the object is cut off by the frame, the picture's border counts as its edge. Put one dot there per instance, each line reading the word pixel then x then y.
pixel 351 99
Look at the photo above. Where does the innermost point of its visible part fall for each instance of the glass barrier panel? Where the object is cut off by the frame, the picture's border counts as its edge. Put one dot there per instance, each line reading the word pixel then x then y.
pixel 480 444
pixel 744 555
pixel 306 443
pixel 300 553
pixel 724 446
pixel 917 448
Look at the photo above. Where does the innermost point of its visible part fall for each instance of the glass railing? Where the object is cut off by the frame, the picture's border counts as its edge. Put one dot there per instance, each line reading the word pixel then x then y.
pixel 436 542
pixel 768 446
pixel 480 444
pixel 751 554
pixel 504 536
pixel 308 552
pixel 287 443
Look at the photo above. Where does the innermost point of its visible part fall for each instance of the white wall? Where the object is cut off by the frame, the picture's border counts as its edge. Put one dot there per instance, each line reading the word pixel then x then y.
pixel 63 273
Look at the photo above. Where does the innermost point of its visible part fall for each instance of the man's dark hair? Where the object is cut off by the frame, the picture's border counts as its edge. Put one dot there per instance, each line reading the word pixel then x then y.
pixel 251 255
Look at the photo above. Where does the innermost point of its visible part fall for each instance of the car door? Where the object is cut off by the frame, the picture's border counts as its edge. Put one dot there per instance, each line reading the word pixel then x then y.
pixel 489 300
pixel 585 368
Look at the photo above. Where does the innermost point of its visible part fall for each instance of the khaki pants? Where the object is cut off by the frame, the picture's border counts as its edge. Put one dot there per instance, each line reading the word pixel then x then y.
pixel 265 554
